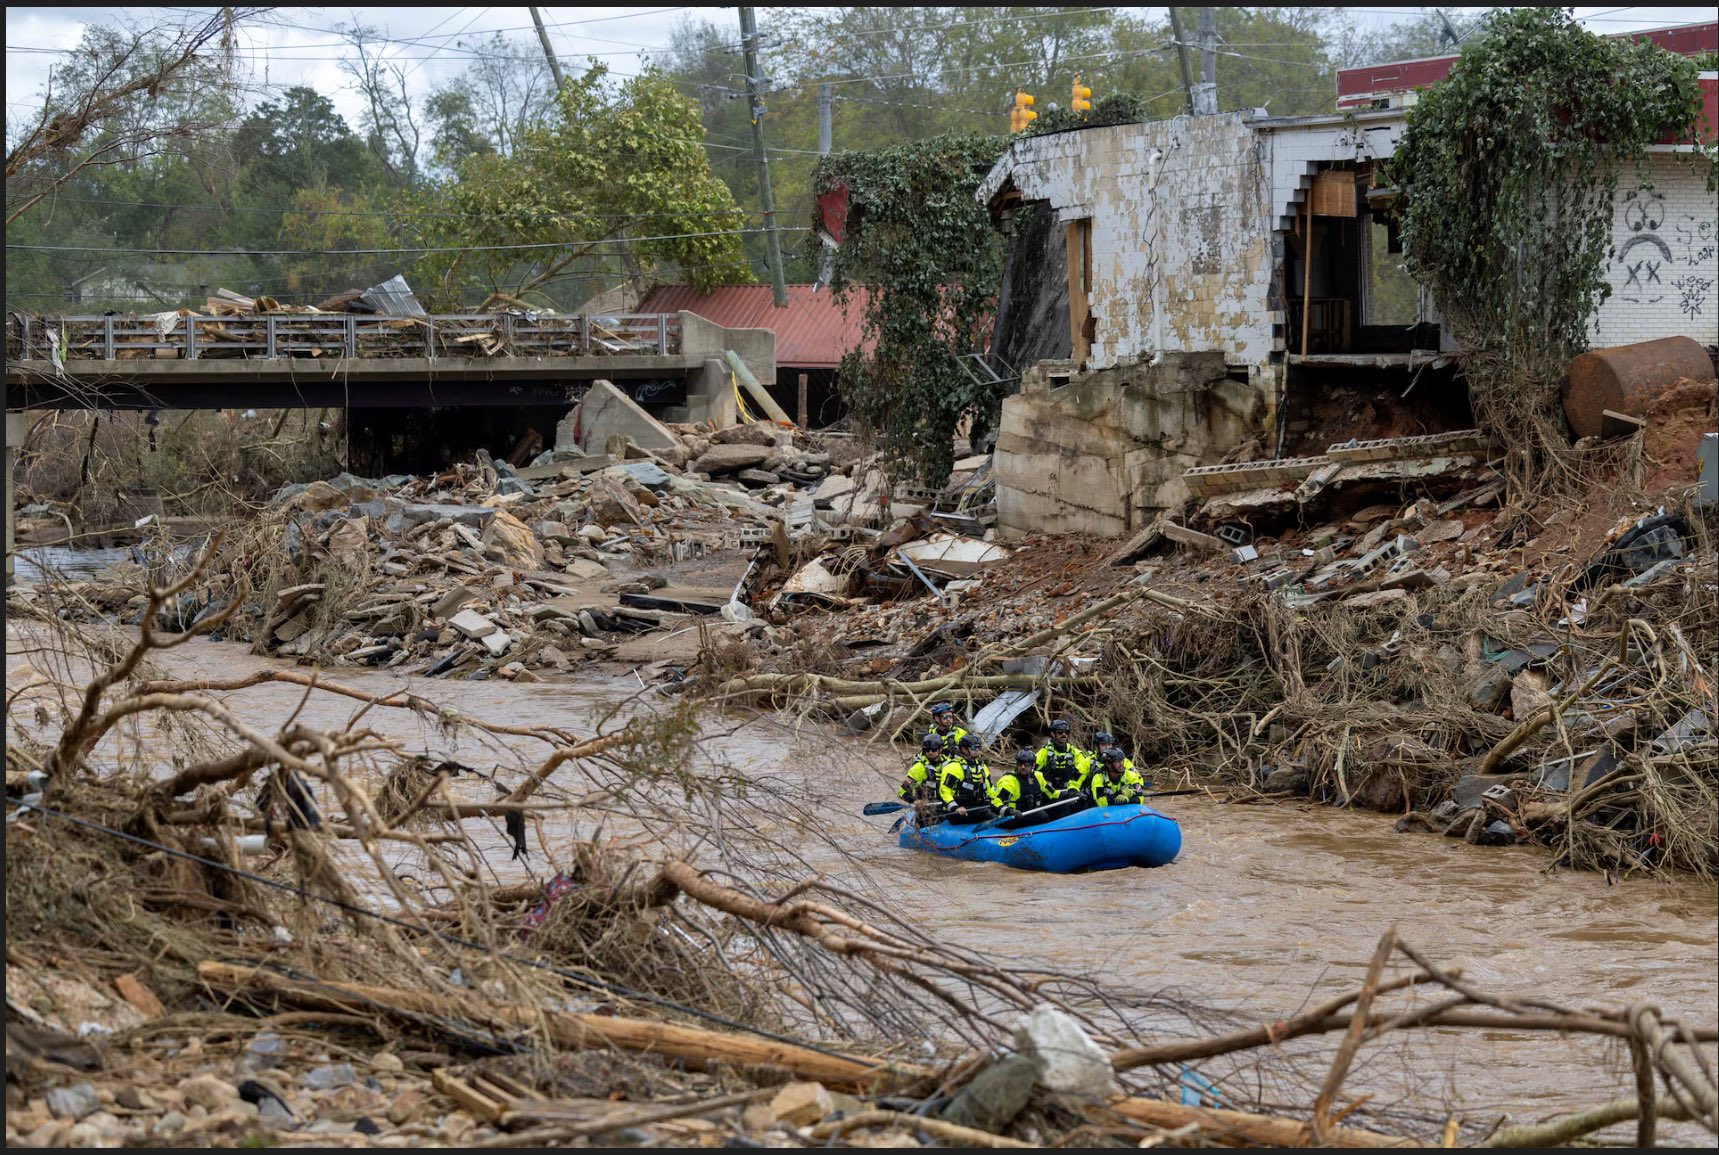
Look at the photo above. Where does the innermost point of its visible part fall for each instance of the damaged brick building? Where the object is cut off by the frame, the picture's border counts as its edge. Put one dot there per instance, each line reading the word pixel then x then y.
pixel 1179 288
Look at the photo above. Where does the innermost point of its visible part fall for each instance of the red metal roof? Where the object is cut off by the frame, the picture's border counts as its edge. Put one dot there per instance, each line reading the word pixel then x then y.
pixel 811 332
pixel 1358 87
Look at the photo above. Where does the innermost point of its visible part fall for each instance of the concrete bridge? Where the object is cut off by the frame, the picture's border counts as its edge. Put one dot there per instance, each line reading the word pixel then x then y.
pixel 670 362
pixel 416 391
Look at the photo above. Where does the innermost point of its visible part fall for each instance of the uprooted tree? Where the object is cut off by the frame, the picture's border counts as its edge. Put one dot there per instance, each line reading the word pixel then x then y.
pixel 918 239
pixel 1509 169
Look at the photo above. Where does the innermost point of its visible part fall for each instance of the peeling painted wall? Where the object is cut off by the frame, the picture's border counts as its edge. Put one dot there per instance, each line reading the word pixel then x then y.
pixel 1197 230
pixel 1198 220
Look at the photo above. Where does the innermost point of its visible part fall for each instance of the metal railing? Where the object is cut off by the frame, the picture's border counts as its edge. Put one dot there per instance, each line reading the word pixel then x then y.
pixel 337 335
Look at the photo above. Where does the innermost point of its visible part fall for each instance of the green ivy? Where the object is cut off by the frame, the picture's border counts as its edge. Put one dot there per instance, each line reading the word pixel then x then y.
pixel 1509 168
pixel 921 244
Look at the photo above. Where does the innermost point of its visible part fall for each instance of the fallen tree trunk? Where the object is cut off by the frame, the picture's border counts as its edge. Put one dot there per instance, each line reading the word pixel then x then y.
pixel 694 1046
pixel 1238 1128
pixel 1558 1132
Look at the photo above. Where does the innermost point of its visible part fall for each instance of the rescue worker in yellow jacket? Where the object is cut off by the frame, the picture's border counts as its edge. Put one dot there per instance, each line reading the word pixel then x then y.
pixel 964 784
pixel 1116 782
pixel 1064 764
pixel 921 781
pixel 1009 787
pixel 943 725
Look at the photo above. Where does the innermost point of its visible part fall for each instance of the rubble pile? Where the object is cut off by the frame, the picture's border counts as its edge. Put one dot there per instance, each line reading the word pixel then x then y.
pixel 1503 674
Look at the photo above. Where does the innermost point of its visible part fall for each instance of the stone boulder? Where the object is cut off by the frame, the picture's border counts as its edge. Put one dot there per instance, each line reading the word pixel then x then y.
pixel 512 542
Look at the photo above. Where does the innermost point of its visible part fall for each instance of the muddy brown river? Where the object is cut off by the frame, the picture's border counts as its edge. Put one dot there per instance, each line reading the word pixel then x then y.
pixel 1268 909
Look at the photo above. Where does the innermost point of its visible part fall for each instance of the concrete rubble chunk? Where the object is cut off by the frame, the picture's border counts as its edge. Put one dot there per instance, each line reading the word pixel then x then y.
pixel 473 625
pixel 730 458
pixel 757 433
pixel 497 643
pixel 605 412
pixel 512 542
pixel 1182 535
pixel 834 486
pixel 412 515
pixel 992 1100
pixel 612 505
pixel 801 1104
pixel 1067 1058
pixel 646 473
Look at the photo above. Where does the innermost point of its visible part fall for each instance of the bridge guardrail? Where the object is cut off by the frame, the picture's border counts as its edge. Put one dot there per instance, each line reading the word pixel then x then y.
pixel 314 335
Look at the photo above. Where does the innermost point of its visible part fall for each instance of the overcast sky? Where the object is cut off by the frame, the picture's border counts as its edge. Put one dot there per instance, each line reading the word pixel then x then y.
pixel 298 45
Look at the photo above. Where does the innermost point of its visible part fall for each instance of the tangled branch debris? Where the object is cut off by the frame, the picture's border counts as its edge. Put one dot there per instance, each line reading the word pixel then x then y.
pixel 240 903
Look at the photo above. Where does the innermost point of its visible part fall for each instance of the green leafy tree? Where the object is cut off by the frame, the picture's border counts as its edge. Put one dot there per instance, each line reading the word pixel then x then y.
pixel 923 247
pixel 619 175
pixel 1509 169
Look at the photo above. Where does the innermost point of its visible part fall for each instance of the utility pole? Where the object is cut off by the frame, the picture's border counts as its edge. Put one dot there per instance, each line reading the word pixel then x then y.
pixel 1182 56
pixel 825 95
pixel 554 64
pixel 1206 94
pixel 772 245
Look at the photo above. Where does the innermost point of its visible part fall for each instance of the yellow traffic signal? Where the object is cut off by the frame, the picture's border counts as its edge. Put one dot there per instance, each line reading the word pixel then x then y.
pixel 1022 113
pixel 1082 97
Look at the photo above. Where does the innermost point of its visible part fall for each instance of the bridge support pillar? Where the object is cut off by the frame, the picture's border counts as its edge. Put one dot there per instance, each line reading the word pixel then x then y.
pixel 17 424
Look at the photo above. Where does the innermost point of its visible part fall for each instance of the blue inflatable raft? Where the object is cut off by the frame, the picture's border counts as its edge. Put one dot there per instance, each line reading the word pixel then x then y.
pixel 1102 838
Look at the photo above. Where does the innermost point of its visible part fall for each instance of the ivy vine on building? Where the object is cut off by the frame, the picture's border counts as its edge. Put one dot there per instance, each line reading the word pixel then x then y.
pixel 918 240
pixel 1510 169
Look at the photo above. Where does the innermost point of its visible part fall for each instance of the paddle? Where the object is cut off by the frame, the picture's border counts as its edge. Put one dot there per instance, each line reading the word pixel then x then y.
pixel 873 809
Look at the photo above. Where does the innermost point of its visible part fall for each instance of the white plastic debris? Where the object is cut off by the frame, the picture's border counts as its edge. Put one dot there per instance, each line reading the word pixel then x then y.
pixel 1069 1061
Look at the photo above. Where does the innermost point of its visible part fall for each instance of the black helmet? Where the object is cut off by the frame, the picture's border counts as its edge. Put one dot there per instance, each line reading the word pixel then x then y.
pixel 1024 757
pixel 1061 726
pixel 1112 754
pixel 942 708
pixel 967 742
pixel 1104 738
pixel 929 743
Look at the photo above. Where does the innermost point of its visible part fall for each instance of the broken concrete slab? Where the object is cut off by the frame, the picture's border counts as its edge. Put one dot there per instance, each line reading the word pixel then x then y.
pixel 451 601
pixel 606 412
pixel 1182 535
pixel 834 486
pixel 411 516
pixel 730 458
pixel 646 473
pixel 473 624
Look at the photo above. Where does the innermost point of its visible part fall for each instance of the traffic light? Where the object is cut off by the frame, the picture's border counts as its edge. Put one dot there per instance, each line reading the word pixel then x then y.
pixel 1022 113
pixel 1082 97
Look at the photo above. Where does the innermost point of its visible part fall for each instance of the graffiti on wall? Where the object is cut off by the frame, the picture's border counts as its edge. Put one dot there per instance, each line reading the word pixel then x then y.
pixel 1645 254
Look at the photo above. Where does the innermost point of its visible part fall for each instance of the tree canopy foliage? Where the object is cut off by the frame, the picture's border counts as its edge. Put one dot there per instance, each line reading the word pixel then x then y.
pixel 207 156
pixel 1510 168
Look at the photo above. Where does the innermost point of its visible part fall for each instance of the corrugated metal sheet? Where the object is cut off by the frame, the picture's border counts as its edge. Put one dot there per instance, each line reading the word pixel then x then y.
pixel 812 332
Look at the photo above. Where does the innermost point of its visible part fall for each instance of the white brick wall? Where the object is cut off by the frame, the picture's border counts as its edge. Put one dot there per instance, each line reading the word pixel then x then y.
pixel 1664 266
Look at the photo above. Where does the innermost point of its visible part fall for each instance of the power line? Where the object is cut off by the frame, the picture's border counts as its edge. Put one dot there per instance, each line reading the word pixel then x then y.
pixel 384 252
pixel 401 213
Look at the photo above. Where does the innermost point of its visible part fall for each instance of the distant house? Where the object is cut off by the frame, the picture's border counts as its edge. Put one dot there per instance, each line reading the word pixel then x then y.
pixel 1180 286
pixel 812 334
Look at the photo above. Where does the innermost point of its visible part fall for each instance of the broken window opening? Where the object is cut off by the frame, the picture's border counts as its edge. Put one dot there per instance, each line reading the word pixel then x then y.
pixel 1083 327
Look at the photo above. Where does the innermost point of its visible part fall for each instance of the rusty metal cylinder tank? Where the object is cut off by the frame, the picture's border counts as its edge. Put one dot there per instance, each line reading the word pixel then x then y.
pixel 1626 379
